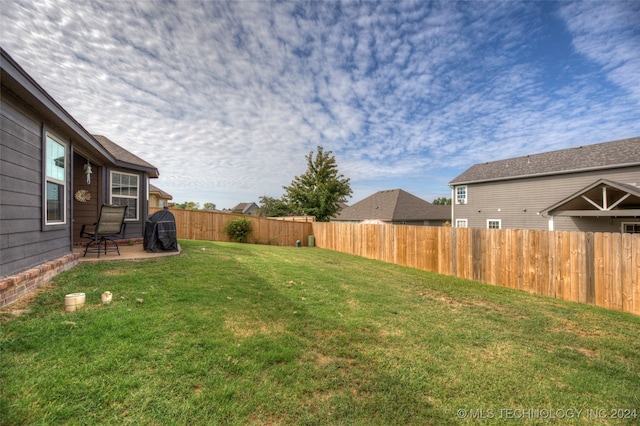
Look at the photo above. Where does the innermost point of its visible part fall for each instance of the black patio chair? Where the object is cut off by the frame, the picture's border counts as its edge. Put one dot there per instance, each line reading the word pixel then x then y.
pixel 109 227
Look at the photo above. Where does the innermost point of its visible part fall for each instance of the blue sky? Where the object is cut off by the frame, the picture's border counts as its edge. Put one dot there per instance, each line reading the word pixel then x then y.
pixel 227 98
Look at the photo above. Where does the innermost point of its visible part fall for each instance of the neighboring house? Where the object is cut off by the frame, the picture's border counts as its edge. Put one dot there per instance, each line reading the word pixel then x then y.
pixel 158 198
pixel 592 188
pixel 246 208
pixel 46 192
pixel 397 207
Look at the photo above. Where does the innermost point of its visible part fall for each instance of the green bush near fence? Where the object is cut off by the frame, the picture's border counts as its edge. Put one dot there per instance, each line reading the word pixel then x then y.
pixel 238 229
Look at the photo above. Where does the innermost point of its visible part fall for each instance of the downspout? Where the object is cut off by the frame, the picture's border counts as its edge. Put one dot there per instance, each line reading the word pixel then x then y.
pixel 453 219
pixel 105 186
pixel 70 191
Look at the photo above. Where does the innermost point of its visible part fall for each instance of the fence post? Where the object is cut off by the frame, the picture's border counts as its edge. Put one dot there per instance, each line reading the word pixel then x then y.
pixel 454 253
pixel 590 266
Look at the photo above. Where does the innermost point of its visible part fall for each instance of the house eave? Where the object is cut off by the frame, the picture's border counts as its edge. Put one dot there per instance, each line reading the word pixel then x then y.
pixel 149 171
pixel 16 79
pixel 597 213
pixel 554 173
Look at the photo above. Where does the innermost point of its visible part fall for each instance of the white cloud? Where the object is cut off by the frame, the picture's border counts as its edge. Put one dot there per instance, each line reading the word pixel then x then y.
pixel 608 34
pixel 226 98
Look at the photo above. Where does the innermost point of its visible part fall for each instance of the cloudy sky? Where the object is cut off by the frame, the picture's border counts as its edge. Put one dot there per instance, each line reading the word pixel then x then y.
pixel 227 98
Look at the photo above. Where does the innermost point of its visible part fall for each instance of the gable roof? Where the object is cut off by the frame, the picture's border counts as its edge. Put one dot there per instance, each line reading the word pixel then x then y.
pixel 394 205
pixel 606 155
pixel 603 197
pixel 162 194
pixel 124 158
pixel 244 207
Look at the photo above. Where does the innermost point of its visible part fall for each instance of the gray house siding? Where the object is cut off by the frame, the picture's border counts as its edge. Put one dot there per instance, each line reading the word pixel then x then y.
pixel 517 203
pixel 27 115
pixel 24 241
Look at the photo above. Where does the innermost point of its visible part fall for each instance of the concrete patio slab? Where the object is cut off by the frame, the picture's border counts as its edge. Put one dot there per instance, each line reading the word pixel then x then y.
pixel 127 252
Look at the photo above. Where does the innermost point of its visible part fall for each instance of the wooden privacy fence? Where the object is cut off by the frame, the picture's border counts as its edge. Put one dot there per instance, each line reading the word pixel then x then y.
pixel 295 218
pixel 601 269
pixel 209 226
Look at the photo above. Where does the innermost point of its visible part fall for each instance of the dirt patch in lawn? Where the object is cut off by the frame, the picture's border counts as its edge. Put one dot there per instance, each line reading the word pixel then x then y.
pixel 247 327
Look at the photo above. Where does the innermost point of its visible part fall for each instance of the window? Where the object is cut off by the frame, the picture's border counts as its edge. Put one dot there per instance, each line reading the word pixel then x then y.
pixel 461 223
pixel 631 228
pixel 461 195
pixel 55 181
pixel 494 224
pixel 125 190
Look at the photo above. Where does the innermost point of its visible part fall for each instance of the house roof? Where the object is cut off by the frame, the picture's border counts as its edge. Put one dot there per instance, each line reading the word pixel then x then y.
pixel 124 157
pixel 606 155
pixel 16 79
pixel 243 207
pixel 394 205
pixel 162 194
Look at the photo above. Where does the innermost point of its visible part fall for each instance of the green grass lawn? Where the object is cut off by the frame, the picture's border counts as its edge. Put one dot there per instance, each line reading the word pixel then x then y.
pixel 231 333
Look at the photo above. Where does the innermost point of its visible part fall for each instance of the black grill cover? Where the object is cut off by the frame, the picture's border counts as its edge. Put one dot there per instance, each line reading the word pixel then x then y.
pixel 160 232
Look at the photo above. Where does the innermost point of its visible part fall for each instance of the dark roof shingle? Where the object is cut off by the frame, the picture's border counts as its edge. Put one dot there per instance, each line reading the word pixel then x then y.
pixel 625 152
pixel 121 154
pixel 394 205
pixel 162 194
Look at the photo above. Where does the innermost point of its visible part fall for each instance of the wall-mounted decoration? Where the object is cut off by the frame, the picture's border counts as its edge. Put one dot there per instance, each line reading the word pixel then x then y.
pixel 82 195
pixel 87 171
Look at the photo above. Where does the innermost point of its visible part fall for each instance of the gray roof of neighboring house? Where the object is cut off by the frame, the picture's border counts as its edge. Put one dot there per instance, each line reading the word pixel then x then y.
pixel 124 156
pixel 243 207
pixel 155 190
pixel 606 155
pixel 394 205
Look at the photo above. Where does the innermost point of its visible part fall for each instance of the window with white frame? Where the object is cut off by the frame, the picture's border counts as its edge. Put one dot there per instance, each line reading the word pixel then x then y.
pixel 55 180
pixel 631 227
pixel 125 191
pixel 494 224
pixel 461 223
pixel 461 195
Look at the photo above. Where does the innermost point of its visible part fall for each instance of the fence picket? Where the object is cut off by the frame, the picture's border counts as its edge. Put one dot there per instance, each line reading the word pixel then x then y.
pixel 635 273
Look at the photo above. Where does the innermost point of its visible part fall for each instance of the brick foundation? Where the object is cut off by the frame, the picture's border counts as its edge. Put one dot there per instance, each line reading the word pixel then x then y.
pixel 16 286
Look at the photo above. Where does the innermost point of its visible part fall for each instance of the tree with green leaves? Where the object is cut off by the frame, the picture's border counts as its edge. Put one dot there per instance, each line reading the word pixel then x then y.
pixel 442 201
pixel 319 190
pixel 188 205
pixel 273 207
pixel 209 207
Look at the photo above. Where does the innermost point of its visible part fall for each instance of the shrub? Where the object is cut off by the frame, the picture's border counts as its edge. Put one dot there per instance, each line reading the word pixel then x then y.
pixel 238 228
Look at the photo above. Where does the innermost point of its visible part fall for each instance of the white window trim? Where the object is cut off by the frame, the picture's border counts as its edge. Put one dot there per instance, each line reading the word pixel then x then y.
pixel 628 223
pixel 462 223
pixel 47 222
pixel 137 197
pixel 494 220
pixel 462 200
